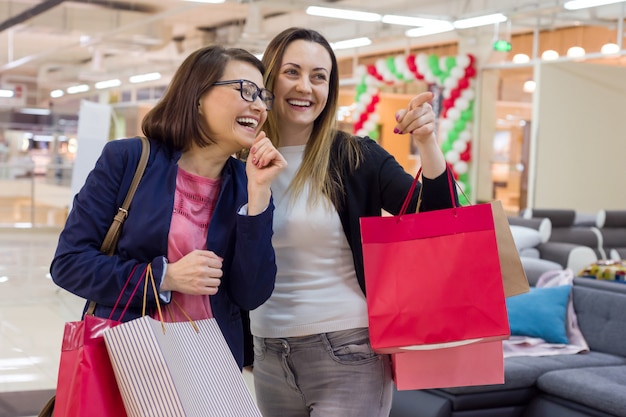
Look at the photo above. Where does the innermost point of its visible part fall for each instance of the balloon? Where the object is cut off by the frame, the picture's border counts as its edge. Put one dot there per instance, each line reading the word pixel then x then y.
pixel 455 93
pixel 433 65
pixel 463 83
pixel 462 61
pixel 360 71
pixel 449 83
pixel 373 134
pixel 461 104
pixel 371 108
pixel 465 136
pixel 359 107
pixel 446 124
pixel 464 177
pixel 376 98
pixel 459 126
pixel 459 146
pixel 470 72
pixel 450 62
pixel 358 126
pixel 363 117
pixel 374 117
pixel 369 125
pixel 465 156
pixel 430 78
pixel 366 97
pixel 371 69
pixel 460 167
pixel 467 115
pixel 457 72
pixel 453 135
pixel 452 156
pixel 468 94
pixel 410 62
pixel 454 114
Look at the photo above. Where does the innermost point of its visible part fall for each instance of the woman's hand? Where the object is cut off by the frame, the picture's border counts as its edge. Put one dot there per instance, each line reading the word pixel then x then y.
pixel 262 167
pixel 418 119
pixel 197 273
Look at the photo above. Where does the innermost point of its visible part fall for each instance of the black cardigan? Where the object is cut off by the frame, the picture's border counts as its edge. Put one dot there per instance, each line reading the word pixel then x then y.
pixel 380 183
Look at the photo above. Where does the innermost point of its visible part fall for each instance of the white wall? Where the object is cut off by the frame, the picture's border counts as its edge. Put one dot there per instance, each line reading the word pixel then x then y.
pixel 579 138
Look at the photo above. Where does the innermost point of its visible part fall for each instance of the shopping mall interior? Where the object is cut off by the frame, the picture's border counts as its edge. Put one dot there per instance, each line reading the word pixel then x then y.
pixel 529 98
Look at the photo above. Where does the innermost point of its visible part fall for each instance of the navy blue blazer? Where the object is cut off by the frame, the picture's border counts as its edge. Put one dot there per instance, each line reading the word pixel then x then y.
pixel 244 242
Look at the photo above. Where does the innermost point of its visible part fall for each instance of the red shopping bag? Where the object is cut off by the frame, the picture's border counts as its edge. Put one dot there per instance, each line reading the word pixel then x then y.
pixel 455 366
pixel 86 384
pixel 433 277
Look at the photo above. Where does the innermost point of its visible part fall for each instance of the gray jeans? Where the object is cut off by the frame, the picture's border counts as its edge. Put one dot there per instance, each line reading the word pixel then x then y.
pixel 326 375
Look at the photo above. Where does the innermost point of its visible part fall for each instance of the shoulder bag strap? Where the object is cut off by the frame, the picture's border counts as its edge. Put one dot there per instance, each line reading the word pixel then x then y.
pixel 113 234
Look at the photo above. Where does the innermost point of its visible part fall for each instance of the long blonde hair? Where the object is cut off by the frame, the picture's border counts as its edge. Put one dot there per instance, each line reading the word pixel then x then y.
pixel 316 169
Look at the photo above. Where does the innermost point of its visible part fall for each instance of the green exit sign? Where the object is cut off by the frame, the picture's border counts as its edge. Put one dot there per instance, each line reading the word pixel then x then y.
pixel 502 46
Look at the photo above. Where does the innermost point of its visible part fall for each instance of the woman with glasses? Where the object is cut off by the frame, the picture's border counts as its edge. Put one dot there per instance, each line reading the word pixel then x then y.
pixel 312 355
pixel 200 217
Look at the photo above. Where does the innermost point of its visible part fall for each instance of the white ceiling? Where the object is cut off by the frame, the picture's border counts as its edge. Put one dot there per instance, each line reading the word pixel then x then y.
pixel 57 43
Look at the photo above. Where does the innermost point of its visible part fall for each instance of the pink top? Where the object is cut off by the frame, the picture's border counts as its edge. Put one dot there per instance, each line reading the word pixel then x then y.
pixel 194 203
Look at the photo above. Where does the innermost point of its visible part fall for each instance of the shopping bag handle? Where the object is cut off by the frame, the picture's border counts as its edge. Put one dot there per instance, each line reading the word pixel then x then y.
pixel 407 199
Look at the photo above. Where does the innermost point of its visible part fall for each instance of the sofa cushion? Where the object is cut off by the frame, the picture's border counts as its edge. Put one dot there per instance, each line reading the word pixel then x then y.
pixel 601 310
pixel 523 371
pixel 525 237
pixel 541 312
pixel 600 388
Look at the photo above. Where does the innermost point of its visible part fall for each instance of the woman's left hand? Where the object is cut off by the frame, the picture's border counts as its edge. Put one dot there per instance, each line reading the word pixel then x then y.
pixel 418 119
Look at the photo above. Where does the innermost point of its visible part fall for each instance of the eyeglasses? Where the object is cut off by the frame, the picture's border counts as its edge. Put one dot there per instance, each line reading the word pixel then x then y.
pixel 249 91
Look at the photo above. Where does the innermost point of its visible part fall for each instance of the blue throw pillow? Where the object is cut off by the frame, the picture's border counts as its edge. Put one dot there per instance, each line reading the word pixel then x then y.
pixel 542 312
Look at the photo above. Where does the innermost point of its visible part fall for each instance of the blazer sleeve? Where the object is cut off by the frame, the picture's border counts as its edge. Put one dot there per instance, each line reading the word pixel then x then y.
pixel 78 265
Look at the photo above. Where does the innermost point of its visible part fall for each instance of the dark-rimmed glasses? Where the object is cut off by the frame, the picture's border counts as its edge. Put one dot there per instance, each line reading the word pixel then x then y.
pixel 249 91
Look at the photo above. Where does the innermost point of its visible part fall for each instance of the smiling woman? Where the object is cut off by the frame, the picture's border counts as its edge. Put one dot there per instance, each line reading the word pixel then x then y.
pixel 200 221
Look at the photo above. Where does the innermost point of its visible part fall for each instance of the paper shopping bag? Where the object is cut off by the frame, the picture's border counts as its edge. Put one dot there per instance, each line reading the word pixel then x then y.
pixel 456 366
pixel 177 371
pixel 86 385
pixel 433 277
pixel 513 275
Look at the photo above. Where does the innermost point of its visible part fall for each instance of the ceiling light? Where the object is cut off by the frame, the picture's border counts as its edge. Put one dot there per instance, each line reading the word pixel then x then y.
pixel 56 93
pixel 521 58
pixel 575 52
pixel 393 19
pixel 152 76
pixel 77 89
pixel 35 111
pixel 429 30
pixel 107 84
pixel 489 19
pixel 343 14
pixel 529 86
pixel 583 4
pixel 549 55
pixel 610 48
pixel 206 1
pixel 6 93
pixel 351 43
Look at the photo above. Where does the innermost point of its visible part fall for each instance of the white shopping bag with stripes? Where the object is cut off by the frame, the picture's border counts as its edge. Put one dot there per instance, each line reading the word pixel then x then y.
pixel 178 372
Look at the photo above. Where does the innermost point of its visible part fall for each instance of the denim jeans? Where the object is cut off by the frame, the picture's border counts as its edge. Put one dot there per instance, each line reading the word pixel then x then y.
pixel 333 374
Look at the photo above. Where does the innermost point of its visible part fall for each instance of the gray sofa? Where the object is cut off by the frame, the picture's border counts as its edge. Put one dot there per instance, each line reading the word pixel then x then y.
pixel 585 384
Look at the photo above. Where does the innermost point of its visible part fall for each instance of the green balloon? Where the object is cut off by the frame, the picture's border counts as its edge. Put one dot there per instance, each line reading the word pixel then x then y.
pixel 391 65
pixel 433 64
pixel 450 63
pixel 453 135
pixel 459 125
pixel 466 115
pixel 361 88
pixel 464 178
pixel 446 146
pixel 373 134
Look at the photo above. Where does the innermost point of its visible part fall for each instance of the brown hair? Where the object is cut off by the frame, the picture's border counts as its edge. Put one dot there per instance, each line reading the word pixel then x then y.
pixel 317 168
pixel 175 120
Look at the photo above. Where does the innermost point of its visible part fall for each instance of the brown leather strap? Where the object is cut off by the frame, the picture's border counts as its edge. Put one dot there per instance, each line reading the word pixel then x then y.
pixel 113 234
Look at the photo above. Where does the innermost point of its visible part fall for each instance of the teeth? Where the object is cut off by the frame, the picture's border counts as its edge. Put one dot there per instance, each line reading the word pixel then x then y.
pixel 300 103
pixel 248 121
